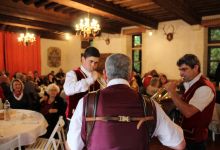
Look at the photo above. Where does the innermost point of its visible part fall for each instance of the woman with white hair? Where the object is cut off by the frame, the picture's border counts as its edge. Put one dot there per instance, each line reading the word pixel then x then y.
pixel 52 107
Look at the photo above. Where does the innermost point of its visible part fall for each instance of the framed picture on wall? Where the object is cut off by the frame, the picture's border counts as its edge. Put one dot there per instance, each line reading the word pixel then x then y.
pixel 54 57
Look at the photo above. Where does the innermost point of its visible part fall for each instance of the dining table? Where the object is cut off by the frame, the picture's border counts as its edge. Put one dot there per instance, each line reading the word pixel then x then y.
pixel 26 123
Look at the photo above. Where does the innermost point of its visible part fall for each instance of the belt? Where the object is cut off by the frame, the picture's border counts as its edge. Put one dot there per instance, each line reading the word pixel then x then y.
pixel 121 119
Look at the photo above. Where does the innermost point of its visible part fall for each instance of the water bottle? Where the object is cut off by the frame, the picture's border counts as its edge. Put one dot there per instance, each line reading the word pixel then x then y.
pixel 6 110
pixel 1 104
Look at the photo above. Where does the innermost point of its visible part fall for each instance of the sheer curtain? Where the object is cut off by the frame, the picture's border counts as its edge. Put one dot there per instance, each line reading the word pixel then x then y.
pixel 19 57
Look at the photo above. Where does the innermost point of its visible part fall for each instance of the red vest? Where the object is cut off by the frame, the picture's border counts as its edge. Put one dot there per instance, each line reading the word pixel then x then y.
pixel 196 127
pixel 117 100
pixel 73 100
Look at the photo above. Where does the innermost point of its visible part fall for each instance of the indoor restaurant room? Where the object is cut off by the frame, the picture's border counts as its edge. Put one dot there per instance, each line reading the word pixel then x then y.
pixel 44 45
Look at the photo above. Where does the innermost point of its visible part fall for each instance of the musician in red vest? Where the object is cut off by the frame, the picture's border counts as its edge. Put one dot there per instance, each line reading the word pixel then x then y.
pixel 120 120
pixel 196 104
pixel 81 80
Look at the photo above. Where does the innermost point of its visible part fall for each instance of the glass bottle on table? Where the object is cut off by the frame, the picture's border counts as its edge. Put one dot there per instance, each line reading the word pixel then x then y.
pixel 1 104
pixel 6 110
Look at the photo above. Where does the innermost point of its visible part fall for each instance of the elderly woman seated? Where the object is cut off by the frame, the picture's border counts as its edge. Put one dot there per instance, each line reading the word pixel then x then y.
pixel 52 107
pixel 17 98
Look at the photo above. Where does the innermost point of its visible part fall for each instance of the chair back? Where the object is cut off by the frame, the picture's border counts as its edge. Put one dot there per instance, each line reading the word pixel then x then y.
pixel 60 132
pixel 216 113
pixel 12 144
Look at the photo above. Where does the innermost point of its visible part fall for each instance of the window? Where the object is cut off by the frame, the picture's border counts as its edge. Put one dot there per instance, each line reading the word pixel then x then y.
pixel 213 51
pixel 214 35
pixel 136 52
pixel 136 41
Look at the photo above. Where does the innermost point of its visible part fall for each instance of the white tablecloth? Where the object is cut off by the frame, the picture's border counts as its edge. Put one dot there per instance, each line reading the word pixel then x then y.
pixel 26 123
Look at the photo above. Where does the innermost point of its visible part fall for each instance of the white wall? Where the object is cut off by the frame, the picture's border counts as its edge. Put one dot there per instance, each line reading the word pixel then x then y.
pixel 158 53
pixel 162 55
pixel 70 54
pixel 71 50
pixel 118 43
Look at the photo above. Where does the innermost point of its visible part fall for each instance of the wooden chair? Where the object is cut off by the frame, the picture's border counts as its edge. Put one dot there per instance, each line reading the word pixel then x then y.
pixel 12 144
pixel 214 126
pixel 51 143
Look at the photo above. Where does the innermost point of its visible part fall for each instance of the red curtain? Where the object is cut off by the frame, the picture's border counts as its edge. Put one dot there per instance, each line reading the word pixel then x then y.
pixel 1 51
pixel 20 57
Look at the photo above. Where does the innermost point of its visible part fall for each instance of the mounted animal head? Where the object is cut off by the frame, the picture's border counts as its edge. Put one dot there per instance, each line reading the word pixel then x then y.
pixel 107 41
pixel 170 31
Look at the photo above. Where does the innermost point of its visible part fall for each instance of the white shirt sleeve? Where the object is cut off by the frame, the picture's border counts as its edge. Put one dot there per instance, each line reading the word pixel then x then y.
pixel 202 97
pixel 168 133
pixel 74 139
pixel 72 86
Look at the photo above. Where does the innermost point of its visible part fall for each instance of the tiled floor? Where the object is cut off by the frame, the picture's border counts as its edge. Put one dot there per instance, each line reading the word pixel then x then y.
pixel 155 144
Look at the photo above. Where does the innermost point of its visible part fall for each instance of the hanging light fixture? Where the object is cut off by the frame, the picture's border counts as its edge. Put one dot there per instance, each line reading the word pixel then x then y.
pixel 87 27
pixel 26 38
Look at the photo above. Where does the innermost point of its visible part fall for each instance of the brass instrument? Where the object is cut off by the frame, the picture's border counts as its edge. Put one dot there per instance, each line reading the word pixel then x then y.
pixel 160 95
pixel 101 82
pixel 165 101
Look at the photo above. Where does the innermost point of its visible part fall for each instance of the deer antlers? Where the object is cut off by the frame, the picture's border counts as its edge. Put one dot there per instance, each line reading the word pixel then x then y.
pixel 169 34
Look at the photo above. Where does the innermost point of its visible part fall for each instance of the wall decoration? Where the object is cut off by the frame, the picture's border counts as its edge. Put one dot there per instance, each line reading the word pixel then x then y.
pixel 54 57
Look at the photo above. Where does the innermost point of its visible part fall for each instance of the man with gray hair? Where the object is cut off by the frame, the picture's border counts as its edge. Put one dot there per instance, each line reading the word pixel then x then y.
pixel 121 118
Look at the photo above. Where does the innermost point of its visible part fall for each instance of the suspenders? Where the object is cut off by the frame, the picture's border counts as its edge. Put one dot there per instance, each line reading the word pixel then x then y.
pixel 91 108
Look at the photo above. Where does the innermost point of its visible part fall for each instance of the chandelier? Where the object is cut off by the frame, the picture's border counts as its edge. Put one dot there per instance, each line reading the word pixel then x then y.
pixel 26 38
pixel 87 27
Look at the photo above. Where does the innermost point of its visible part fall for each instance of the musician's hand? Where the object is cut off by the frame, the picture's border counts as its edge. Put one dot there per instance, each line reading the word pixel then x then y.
pixel 170 87
pixel 95 75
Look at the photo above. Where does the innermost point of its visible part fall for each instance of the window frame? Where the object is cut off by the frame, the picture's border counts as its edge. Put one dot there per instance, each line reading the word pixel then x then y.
pixel 140 59
pixel 211 76
pixel 139 48
pixel 209 36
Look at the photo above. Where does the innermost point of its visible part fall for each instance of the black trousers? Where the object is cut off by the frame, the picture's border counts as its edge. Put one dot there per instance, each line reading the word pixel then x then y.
pixel 192 145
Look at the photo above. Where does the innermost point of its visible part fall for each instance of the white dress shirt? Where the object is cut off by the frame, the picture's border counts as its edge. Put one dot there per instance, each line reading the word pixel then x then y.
pixel 167 132
pixel 73 86
pixel 202 96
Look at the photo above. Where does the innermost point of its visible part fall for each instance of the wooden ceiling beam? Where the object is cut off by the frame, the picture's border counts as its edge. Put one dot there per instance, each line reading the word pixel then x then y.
pixel 121 1
pixel 211 22
pixel 181 8
pixel 59 8
pixel 16 0
pixel 133 31
pixel 109 10
pixel 21 10
pixel 28 2
pixel 140 5
pixel 22 22
pixel 50 27
pixel 135 2
pixel 41 33
pixel 67 10
pixel 50 5
pixel 41 3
